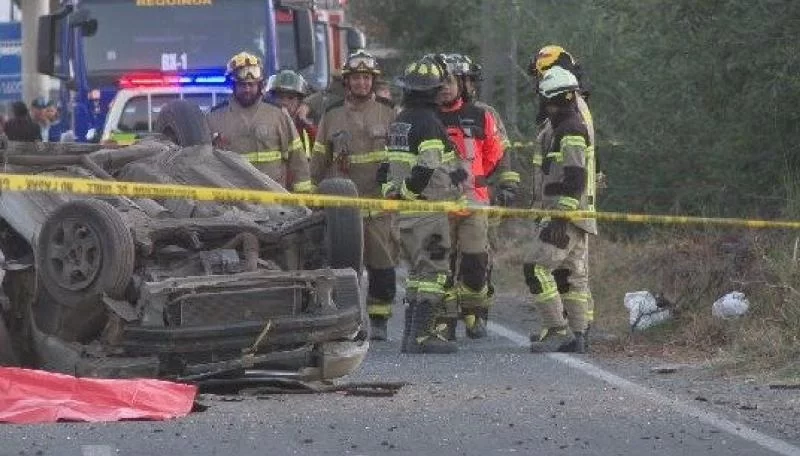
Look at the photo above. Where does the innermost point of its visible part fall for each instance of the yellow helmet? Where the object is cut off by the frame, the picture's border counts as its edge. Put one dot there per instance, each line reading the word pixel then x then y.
pixel 550 56
pixel 245 67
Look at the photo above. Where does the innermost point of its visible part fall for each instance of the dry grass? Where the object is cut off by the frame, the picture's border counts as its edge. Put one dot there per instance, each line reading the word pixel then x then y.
pixel 691 269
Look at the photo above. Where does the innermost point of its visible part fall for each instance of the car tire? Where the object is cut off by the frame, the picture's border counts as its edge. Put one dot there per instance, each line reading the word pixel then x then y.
pixel 344 227
pixel 183 123
pixel 84 250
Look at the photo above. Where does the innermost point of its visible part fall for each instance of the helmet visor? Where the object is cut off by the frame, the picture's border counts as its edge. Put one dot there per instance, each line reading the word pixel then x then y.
pixel 248 73
pixel 365 64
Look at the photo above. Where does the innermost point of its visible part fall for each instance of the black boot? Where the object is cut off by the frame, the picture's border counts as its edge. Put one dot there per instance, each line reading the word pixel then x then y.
pixel 576 345
pixel 551 340
pixel 477 330
pixel 426 334
pixel 378 327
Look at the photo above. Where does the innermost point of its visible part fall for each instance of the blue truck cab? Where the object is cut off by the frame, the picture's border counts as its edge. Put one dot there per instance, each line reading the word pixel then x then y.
pixel 153 51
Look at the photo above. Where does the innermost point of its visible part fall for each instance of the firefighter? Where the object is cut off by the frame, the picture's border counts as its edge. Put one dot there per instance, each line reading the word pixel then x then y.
pixel 287 89
pixel 505 181
pixel 351 143
pixel 473 130
pixel 556 267
pixel 319 102
pixel 424 166
pixel 545 58
pixel 263 133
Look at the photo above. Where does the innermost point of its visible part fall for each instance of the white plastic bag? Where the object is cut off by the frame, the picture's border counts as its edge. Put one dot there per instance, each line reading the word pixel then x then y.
pixel 644 311
pixel 731 305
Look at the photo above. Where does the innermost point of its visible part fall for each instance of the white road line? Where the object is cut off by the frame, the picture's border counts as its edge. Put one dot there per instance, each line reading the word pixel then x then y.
pixel 732 427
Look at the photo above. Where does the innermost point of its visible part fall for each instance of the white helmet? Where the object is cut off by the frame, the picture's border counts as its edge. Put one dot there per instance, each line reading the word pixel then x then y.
pixel 557 81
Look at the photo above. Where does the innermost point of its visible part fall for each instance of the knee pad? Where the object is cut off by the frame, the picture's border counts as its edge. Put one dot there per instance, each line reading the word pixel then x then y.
pixel 529 272
pixel 382 285
pixel 435 249
pixel 562 280
pixel 474 270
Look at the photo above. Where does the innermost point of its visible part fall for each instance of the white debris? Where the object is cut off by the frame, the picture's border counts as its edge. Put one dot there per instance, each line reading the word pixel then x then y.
pixel 731 305
pixel 644 310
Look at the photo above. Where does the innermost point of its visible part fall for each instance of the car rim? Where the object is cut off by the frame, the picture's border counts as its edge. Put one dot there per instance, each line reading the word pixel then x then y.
pixel 75 255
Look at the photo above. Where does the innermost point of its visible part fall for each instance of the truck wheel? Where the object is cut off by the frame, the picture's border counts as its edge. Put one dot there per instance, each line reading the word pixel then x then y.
pixel 183 123
pixel 84 250
pixel 344 228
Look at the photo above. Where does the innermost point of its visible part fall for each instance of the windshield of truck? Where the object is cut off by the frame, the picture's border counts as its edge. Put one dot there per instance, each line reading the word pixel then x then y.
pixel 137 35
pixel 316 74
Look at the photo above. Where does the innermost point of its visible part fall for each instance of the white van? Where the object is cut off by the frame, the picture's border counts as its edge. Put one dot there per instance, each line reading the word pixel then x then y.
pixel 133 111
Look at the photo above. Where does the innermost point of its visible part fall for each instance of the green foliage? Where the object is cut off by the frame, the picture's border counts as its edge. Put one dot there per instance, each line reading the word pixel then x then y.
pixel 695 103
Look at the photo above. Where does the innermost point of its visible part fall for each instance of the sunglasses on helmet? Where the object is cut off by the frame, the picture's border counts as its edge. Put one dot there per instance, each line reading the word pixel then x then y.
pixel 248 72
pixel 362 63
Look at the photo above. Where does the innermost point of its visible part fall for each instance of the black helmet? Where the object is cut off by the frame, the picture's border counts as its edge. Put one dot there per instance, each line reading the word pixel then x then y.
pixel 422 75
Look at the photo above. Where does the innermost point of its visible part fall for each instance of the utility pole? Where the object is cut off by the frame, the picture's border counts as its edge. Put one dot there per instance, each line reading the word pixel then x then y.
pixel 488 48
pixel 33 84
pixel 512 108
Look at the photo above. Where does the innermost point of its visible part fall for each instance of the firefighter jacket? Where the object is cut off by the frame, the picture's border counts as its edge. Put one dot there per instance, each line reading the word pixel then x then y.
pixel 351 143
pixel 543 140
pixel 568 169
pixel 474 132
pixel 266 136
pixel 422 161
pixel 504 173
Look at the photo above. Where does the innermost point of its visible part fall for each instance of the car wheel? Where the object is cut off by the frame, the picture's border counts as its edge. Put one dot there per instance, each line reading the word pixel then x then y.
pixel 84 250
pixel 183 123
pixel 344 227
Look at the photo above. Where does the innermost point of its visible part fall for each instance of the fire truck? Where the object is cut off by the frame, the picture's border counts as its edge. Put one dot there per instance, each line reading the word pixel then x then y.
pixel 120 61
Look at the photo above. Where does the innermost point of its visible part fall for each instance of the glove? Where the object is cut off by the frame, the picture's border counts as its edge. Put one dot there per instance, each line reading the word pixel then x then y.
pixel 555 233
pixel 382 175
pixel 420 176
pixel 458 176
pixel 505 195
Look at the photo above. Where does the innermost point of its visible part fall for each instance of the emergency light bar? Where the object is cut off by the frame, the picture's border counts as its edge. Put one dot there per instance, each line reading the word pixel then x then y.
pixel 137 80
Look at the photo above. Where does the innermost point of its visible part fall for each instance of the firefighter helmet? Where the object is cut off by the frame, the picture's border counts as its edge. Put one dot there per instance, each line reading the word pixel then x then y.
pixel 361 62
pixel 475 69
pixel 245 67
pixel 454 64
pixel 550 56
pixel 422 75
pixel 288 81
pixel 557 81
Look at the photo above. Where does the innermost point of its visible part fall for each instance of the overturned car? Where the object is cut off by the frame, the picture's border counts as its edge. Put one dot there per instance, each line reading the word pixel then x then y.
pixel 175 288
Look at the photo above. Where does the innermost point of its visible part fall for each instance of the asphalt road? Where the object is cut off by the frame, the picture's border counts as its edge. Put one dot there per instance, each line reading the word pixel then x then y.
pixel 491 398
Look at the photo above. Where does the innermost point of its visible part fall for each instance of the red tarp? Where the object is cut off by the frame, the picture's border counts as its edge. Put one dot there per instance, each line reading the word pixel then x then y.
pixel 32 396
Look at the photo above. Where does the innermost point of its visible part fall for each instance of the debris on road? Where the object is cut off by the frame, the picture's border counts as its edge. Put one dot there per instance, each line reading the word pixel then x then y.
pixel 645 310
pixel 732 305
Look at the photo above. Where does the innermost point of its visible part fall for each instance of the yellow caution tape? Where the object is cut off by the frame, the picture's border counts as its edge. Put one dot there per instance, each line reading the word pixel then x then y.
pixel 95 187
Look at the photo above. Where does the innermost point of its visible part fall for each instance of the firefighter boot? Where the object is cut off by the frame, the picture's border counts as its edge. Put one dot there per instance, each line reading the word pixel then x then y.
pixel 550 340
pixel 576 345
pixel 426 334
pixel 451 314
pixel 476 323
pixel 378 328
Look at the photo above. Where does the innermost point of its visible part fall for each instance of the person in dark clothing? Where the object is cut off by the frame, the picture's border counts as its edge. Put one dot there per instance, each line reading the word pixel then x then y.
pixel 21 127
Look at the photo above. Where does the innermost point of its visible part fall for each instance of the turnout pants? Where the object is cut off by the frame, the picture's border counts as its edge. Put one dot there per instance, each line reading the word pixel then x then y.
pixel 380 259
pixel 559 280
